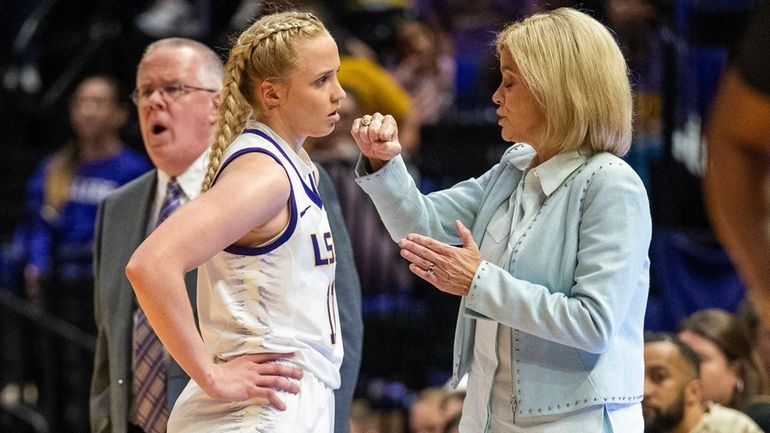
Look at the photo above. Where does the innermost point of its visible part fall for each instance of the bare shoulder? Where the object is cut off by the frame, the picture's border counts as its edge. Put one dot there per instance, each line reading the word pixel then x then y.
pixel 255 173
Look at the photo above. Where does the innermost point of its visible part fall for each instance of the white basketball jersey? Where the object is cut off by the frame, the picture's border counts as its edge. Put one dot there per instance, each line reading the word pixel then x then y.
pixel 278 297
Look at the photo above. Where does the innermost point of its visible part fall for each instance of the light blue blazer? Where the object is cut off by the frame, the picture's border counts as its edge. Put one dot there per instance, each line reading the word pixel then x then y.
pixel 576 286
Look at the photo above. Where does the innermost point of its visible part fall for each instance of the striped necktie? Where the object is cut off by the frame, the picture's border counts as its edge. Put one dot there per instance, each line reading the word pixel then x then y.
pixel 148 357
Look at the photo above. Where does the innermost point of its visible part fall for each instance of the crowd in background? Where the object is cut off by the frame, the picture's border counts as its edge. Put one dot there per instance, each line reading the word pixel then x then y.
pixel 71 136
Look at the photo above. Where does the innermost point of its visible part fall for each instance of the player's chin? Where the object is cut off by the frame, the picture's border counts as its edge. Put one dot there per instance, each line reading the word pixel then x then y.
pixel 323 131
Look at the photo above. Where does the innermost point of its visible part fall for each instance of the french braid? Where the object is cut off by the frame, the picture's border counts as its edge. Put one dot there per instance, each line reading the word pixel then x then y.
pixel 265 50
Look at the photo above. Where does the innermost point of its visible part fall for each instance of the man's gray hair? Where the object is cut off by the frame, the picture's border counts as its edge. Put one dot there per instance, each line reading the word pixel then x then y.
pixel 212 71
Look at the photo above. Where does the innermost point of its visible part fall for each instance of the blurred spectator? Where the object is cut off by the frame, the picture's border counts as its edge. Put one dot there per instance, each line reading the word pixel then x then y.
pixel 63 196
pixel 453 425
pixel 730 371
pixel 426 414
pixel 673 399
pixel 425 69
pixel 363 419
pixel 452 405
pixel 454 397
pixel 759 334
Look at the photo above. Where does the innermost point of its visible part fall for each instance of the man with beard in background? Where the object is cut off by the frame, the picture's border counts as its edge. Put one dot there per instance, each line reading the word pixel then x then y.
pixel 673 401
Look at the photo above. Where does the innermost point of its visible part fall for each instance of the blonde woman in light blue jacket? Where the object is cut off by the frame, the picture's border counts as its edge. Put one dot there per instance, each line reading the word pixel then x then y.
pixel 552 267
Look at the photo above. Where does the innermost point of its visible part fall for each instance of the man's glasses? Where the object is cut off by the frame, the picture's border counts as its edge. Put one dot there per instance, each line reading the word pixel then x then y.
pixel 167 92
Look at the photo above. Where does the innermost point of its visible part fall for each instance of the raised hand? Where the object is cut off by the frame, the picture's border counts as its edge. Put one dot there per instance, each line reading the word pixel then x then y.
pixel 377 137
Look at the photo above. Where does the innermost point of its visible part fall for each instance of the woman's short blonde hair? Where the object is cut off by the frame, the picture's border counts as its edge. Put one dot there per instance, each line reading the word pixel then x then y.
pixel 577 73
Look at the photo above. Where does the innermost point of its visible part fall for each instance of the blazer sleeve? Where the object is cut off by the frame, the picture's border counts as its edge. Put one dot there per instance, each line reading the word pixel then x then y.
pixel 405 210
pixel 99 399
pixel 348 288
pixel 612 264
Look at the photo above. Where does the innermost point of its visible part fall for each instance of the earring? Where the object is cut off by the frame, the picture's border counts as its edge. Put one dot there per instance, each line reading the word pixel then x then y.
pixel 739 386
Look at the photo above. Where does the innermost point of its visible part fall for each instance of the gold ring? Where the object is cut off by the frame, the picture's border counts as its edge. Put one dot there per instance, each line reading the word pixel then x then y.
pixel 366 121
pixel 431 266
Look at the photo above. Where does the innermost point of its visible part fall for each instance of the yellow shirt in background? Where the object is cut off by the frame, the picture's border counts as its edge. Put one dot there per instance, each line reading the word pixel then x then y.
pixel 374 88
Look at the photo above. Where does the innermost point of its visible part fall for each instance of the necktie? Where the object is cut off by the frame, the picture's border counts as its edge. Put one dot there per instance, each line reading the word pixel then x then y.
pixel 148 358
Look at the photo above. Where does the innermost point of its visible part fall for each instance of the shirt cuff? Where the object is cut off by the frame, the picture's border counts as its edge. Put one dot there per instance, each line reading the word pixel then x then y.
pixel 391 177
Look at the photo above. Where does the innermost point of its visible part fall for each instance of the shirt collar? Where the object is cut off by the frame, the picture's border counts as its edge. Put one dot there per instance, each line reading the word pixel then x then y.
pixel 553 172
pixel 190 180
pixel 521 156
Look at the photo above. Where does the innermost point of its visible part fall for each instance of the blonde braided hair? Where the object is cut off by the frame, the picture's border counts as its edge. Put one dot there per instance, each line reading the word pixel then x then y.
pixel 264 51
